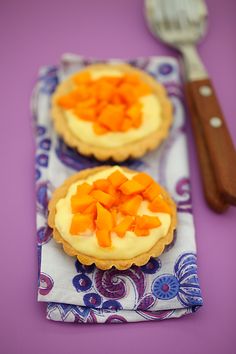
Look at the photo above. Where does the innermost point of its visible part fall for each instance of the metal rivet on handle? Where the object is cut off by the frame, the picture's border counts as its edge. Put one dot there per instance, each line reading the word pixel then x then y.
pixel 205 91
pixel 215 122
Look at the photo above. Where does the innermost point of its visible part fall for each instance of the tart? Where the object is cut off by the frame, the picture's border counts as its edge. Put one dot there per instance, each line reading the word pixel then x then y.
pixel 111 111
pixel 112 216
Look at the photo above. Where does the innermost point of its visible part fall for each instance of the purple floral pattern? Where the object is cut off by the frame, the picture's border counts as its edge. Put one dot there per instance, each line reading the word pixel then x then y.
pixel 146 302
pixel 49 80
pixel 92 300
pixel 42 160
pixel 183 190
pixel 42 197
pixel 165 287
pixel 44 235
pixel 165 69
pixel 45 284
pixel 115 319
pixel 112 305
pixel 37 174
pixel 112 284
pixel 183 284
pixel 82 282
pixel 152 266
pixel 186 272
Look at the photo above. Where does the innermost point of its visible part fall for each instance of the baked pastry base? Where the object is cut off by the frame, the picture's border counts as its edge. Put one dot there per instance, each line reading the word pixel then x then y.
pixel 133 149
pixel 104 264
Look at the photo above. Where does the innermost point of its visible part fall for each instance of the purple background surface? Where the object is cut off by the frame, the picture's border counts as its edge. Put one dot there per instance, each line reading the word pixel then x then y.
pixel 35 33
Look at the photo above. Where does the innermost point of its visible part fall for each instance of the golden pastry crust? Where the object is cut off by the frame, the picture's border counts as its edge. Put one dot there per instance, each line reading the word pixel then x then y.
pixel 133 149
pixel 104 264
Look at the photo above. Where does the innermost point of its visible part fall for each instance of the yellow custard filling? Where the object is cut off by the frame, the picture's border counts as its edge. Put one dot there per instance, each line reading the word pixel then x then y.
pixel 122 248
pixel 97 74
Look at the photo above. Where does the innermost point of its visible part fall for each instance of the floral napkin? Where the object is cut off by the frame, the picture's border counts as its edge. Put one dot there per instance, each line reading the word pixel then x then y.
pixel 167 286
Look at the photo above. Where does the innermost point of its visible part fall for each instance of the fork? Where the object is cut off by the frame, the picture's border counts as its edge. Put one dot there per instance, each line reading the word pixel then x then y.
pixel 180 24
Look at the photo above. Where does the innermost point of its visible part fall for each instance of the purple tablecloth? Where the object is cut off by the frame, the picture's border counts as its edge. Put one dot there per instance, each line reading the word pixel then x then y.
pixel 35 34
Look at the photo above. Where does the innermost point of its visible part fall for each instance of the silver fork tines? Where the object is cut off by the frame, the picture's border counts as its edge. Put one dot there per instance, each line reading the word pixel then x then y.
pixel 180 24
pixel 177 21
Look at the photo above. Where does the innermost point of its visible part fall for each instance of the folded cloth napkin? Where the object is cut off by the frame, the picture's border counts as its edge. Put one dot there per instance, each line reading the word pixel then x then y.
pixel 167 286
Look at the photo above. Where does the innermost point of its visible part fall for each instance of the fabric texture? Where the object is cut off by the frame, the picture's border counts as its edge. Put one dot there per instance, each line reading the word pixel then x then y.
pixel 167 286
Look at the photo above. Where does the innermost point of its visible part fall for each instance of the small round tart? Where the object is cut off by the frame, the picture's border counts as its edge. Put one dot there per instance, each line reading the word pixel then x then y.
pixel 111 111
pixel 112 216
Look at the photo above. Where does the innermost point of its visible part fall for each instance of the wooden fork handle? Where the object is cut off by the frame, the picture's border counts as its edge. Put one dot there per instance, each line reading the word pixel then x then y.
pixel 211 193
pixel 216 136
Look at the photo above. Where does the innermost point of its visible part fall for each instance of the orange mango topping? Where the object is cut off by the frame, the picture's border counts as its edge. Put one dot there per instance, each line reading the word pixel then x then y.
pixel 103 237
pixel 80 203
pixel 82 78
pixel 126 125
pixel 99 129
pixel 147 222
pixel 111 117
pixel 131 187
pixel 117 178
pixel 111 104
pixel 130 206
pixel 104 218
pixel 124 226
pixel 142 89
pixel 83 189
pixel 112 204
pixel 81 223
pixel 67 101
pixel 114 216
pixel 141 232
pixel 132 78
pixel 112 191
pixel 117 202
pixel 152 191
pixel 86 113
pixel 102 184
pixel 134 111
pixel 143 179
pixel 105 91
pixel 159 205
pixel 104 198
pixel 91 209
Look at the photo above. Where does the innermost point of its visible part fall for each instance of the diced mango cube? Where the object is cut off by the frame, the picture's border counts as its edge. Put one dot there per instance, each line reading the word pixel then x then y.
pixel 152 191
pixel 117 178
pixel 130 206
pixel 80 203
pixel 159 205
pixel 131 187
pixel 81 223
pixel 143 179
pixel 105 199
pixel 103 238
pixel 123 226
pixel 147 222
pixel 104 218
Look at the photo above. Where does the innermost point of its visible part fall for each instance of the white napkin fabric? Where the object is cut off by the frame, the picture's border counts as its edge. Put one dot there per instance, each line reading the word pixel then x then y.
pixel 167 286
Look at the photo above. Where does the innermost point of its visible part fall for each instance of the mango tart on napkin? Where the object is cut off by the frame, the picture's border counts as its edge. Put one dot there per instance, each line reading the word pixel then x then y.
pixel 111 111
pixel 112 216
pixel 165 287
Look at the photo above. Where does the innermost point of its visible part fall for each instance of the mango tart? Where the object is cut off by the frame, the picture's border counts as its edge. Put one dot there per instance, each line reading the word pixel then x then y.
pixel 111 111
pixel 112 216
